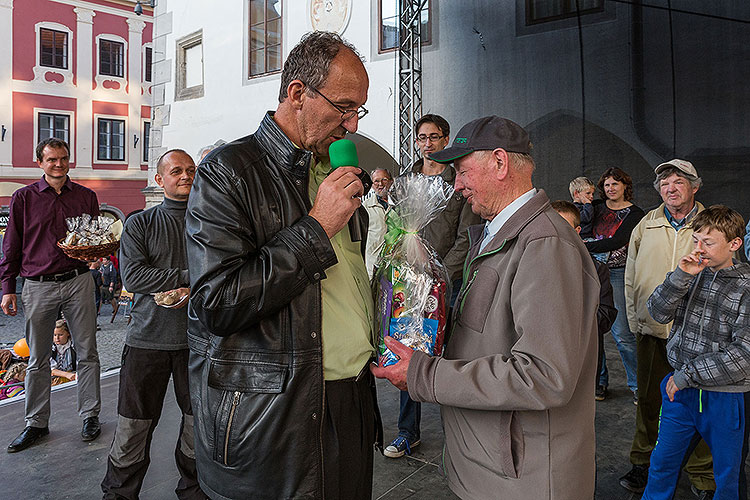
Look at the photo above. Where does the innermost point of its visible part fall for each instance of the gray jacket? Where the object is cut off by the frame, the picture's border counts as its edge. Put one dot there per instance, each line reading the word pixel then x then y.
pixel 709 346
pixel 153 259
pixel 448 232
pixel 516 381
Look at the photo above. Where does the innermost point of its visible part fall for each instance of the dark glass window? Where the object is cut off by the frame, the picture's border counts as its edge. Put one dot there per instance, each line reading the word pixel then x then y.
pixel 147 69
pixel 389 26
pixel 111 139
pixel 111 58
pixel 54 125
pixel 145 142
pixel 265 37
pixel 541 11
pixel 53 48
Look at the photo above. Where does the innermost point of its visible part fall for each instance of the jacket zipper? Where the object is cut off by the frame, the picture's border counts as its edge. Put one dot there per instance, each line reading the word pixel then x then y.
pixel 467 266
pixel 235 402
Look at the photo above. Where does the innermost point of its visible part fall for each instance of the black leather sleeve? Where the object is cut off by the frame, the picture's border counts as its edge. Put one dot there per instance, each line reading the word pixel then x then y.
pixel 241 272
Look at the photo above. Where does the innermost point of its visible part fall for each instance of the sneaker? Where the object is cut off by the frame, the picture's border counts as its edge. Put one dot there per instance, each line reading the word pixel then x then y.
pixel 601 393
pixel 635 399
pixel 399 447
pixel 701 494
pixel 636 479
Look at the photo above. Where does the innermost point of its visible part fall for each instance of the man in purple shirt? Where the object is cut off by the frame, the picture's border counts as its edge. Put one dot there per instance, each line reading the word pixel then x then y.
pixel 53 282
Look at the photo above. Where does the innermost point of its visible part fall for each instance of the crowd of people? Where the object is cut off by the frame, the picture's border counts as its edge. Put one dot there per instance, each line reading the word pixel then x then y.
pixel 274 366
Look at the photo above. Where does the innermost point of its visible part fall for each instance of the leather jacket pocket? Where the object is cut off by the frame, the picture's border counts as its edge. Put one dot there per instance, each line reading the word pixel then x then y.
pixel 511 444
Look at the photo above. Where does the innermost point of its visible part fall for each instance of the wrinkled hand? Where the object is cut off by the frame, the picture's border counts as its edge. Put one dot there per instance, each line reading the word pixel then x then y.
pixel 9 304
pixel 183 292
pixel 671 388
pixel 395 373
pixel 337 199
pixel 692 263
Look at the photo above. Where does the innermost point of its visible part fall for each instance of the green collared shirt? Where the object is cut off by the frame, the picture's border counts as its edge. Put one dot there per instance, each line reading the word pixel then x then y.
pixel 347 301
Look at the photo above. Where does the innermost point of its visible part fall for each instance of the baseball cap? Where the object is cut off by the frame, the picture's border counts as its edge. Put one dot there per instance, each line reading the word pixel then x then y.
pixel 683 165
pixel 482 134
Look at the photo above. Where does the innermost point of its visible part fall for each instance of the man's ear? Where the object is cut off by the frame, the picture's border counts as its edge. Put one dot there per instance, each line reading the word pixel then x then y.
pixel 735 244
pixel 295 92
pixel 159 180
pixel 502 162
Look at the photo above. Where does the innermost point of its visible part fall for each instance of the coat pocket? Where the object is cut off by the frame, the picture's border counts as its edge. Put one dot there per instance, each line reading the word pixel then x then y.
pixel 477 299
pixel 511 445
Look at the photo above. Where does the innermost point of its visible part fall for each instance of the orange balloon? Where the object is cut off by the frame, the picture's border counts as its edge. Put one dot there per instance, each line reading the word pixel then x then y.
pixel 21 348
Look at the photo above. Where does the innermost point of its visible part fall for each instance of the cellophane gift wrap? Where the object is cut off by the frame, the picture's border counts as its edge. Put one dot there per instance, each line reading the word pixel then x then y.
pixel 411 284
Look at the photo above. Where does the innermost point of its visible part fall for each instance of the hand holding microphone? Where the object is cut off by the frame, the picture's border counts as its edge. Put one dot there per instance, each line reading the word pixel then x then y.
pixel 339 194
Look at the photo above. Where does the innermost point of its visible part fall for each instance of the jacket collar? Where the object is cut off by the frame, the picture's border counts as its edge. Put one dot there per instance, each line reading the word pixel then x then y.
pixel 281 149
pixel 656 217
pixel 512 226
pixel 448 174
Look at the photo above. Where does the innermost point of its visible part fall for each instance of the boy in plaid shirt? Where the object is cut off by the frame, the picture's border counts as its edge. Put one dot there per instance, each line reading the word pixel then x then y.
pixel 708 298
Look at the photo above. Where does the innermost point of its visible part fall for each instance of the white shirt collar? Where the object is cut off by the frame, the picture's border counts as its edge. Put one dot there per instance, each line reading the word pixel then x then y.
pixel 492 227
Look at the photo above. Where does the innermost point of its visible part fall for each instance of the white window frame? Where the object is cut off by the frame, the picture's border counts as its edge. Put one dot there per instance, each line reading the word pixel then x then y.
pixel 99 78
pixel 181 92
pixel 95 155
pixel 146 85
pixel 39 70
pixel 142 141
pixel 71 131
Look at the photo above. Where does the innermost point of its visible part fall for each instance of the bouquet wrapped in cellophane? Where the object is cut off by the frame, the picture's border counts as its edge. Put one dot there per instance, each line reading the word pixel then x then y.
pixel 411 283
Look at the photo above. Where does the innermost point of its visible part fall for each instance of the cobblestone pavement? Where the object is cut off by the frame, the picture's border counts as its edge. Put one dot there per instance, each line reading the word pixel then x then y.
pixel 110 338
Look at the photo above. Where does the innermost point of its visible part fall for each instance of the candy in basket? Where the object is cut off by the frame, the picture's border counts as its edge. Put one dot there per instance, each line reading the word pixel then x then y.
pixel 411 284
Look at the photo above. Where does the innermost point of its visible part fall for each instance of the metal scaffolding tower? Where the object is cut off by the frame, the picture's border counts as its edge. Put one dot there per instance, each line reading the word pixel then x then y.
pixel 410 78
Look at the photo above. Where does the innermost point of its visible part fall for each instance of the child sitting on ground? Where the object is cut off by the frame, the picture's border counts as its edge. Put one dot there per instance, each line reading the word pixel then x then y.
pixel 12 384
pixel 606 312
pixel 582 191
pixel 63 360
pixel 708 298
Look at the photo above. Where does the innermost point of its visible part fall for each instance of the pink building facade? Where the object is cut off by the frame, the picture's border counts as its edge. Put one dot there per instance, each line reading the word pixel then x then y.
pixel 81 71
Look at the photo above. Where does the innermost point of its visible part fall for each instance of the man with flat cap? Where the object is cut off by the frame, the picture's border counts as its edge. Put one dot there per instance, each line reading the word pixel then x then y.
pixel 516 379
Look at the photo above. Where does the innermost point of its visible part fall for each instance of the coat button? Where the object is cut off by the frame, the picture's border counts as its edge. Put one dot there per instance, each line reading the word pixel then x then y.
pixel 314 416
pixel 313 334
pixel 316 276
pixel 298 182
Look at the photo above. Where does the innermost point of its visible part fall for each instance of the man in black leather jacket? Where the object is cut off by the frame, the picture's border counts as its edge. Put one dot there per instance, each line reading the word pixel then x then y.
pixel 280 328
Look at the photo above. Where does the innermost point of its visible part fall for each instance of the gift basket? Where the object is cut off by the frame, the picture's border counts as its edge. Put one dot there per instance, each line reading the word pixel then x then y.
pixel 411 284
pixel 90 238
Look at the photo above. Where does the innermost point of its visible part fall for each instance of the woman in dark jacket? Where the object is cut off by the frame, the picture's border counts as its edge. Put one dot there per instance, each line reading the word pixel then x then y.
pixel 615 217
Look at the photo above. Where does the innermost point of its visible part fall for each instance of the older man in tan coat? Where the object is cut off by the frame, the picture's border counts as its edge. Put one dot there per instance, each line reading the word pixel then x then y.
pixel 516 381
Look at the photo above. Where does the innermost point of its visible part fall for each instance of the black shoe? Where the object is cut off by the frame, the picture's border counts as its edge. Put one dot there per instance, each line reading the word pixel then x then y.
pixel 701 494
pixel 601 393
pixel 636 479
pixel 27 438
pixel 91 428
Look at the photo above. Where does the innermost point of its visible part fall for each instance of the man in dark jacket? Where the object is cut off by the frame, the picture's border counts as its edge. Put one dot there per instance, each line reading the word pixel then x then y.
pixel 448 235
pixel 153 260
pixel 281 312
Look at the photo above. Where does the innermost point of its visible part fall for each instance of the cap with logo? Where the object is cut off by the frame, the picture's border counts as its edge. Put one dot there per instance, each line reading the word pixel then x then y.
pixel 483 134
pixel 682 165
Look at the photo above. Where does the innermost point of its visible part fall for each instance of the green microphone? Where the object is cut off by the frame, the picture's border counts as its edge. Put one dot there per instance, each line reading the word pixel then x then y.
pixel 343 153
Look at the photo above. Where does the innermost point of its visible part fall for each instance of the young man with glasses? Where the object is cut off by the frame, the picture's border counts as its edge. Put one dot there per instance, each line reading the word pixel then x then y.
pixel 448 235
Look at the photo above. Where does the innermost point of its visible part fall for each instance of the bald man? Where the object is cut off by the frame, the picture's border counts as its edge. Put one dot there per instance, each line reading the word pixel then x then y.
pixel 152 260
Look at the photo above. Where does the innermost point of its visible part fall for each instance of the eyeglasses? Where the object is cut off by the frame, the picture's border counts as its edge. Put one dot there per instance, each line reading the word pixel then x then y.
pixel 346 114
pixel 431 137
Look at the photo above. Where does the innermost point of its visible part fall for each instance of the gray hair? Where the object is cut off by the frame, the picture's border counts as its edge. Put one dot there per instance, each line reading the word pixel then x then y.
pixel 207 149
pixel 695 182
pixel 310 60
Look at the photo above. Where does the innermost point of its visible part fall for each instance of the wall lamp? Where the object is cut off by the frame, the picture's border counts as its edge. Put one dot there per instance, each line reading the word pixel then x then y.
pixel 139 8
